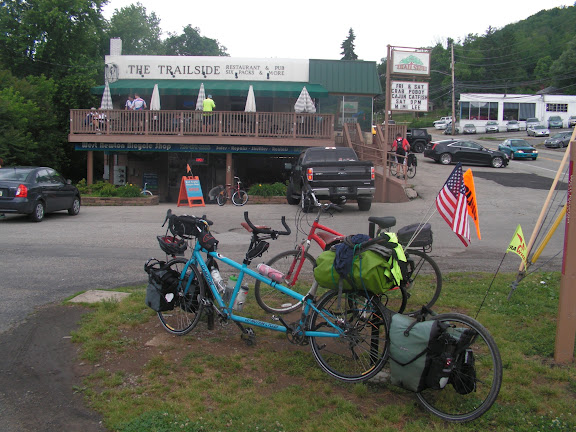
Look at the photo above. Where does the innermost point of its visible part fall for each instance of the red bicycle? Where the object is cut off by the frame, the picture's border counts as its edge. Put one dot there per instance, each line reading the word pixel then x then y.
pixel 422 283
pixel 238 196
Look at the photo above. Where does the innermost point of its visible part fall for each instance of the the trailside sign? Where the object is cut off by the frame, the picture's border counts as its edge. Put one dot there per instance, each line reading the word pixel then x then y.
pixel 190 192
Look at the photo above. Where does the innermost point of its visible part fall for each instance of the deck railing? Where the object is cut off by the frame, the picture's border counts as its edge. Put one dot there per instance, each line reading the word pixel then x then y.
pixel 219 123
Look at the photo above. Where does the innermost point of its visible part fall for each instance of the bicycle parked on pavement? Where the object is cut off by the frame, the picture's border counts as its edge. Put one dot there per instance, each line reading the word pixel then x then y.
pixel 348 330
pixel 238 196
pixel 145 191
pixel 422 283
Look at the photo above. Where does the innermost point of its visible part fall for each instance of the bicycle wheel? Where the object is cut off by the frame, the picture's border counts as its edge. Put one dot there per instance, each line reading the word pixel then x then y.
pixel 393 168
pixel 411 171
pixel 147 193
pixel 424 281
pixel 362 348
pixel 475 380
pixel 188 306
pixel 221 198
pixel 298 278
pixel 239 198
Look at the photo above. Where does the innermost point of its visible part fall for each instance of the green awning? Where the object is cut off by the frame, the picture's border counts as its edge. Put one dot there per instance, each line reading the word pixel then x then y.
pixel 216 88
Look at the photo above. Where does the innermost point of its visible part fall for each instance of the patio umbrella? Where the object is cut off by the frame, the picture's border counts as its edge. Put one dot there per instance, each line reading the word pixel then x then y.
pixel 250 101
pixel 201 97
pixel 304 104
pixel 155 100
pixel 106 103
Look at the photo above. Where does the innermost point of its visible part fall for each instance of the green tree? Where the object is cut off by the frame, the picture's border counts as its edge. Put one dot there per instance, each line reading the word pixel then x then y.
pixel 563 70
pixel 140 32
pixel 348 47
pixel 191 43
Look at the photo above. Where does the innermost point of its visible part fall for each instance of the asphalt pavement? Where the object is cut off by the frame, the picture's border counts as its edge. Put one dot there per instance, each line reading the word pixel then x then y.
pixel 41 264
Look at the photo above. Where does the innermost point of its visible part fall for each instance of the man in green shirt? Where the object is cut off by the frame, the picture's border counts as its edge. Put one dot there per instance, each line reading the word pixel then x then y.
pixel 207 106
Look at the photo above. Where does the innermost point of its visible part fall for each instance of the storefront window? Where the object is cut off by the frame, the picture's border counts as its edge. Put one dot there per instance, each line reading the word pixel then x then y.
pixel 479 110
pixel 348 109
pixel 519 111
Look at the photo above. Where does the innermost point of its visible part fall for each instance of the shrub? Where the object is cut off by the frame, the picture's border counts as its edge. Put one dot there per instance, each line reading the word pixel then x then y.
pixel 265 189
pixel 128 190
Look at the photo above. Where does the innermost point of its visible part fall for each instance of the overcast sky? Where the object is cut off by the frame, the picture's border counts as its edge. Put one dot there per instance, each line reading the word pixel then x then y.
pixel 313 29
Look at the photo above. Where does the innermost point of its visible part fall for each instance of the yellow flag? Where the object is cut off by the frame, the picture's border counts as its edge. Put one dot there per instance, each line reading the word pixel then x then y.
pixel 471 202
pixel 518 245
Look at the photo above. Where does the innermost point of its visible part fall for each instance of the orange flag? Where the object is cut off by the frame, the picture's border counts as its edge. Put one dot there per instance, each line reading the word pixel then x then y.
pixel 471 199
pixel 188 169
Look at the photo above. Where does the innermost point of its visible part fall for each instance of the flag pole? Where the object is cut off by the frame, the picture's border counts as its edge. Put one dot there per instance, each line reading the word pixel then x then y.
pixel 546 204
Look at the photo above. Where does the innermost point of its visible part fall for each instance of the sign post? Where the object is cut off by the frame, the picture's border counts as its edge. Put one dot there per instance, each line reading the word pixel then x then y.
pixel 190 192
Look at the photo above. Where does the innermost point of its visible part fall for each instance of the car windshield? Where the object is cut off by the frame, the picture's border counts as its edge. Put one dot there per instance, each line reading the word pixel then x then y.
pixel 512 122
pixel 491 123
pixel 469 125
pixel 554 118
pixel 519 143
pixel 539 127
pixel 16 174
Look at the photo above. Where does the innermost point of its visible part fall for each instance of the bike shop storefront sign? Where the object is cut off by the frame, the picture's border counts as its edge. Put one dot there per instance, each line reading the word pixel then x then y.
pixel 409 96
pixel 175 148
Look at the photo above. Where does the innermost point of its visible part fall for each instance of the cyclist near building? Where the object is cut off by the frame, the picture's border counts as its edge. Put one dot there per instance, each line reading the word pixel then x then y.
pixel 401 147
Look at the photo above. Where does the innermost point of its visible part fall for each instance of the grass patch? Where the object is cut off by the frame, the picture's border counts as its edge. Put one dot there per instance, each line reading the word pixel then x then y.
pixel 211 381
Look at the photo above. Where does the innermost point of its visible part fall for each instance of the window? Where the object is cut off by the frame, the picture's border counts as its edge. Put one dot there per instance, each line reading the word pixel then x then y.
pixel 479 111
pixel 519 111
pixel 552 107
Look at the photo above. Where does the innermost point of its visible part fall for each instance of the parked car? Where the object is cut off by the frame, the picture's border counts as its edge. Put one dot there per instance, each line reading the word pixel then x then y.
pixel 469 129
pixel 538 130
pixel 555 122
pixel 467 152
pixel 447 120
pixel 518 148
pixel 492 126
pixel 512 126
pixel 532 121
pixel 559 140
pixel 571 121
pixel 36 191
pixel 440 125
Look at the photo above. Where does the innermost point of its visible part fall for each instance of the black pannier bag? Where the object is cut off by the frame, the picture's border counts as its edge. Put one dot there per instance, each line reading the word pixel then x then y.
pixel 162 286
pixel 423 239
pixel 412 161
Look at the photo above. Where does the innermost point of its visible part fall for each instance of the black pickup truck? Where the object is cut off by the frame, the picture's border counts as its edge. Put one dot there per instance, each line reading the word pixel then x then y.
pixel 418 139
pixel 332 173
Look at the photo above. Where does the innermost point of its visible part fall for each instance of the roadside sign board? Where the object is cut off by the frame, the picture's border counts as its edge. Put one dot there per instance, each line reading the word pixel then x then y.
pixel 409 96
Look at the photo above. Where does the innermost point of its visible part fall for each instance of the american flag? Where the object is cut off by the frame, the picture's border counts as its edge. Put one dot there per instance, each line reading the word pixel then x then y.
pixel 451 203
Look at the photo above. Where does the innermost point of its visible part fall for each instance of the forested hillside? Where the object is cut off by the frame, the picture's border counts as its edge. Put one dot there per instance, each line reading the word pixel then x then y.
pixel 522 57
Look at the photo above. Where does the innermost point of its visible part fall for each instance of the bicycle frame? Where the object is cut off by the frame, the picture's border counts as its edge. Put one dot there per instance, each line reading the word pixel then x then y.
pixel 226 310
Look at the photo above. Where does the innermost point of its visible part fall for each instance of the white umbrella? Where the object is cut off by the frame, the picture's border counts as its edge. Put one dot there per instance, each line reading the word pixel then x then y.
pixel 250 101
pixel 106 98
pixel 201 97
pixel 155 100
pixel 304 104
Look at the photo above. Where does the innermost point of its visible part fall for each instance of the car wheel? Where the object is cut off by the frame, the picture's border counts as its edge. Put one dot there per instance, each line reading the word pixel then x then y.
pixel 38 214
pixel 289 195
pixel 497 162
pixel 364 204
pixel 75 209
pixel 511 155
pixel 305 203
pixel 418 147
pixel 446 159
pixel 534 158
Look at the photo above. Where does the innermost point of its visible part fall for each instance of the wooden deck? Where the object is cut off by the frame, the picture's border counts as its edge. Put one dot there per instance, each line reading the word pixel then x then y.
pixel 173 126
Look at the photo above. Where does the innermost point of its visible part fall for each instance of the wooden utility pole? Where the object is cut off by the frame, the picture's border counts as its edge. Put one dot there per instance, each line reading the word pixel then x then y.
pixel 453 94
pixel 566 324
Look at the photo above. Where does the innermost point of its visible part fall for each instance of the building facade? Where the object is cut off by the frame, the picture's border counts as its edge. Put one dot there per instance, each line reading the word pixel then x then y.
pixel 154 146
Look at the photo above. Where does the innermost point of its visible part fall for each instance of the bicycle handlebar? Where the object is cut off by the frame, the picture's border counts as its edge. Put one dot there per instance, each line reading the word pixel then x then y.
pixel 271 232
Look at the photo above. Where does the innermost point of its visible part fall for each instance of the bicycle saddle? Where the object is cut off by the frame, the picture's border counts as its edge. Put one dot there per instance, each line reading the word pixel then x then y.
pixel 383 222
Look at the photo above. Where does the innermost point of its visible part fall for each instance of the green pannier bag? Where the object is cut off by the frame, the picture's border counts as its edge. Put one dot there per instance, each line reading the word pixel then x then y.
pixel 429 354
pixel 370 271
